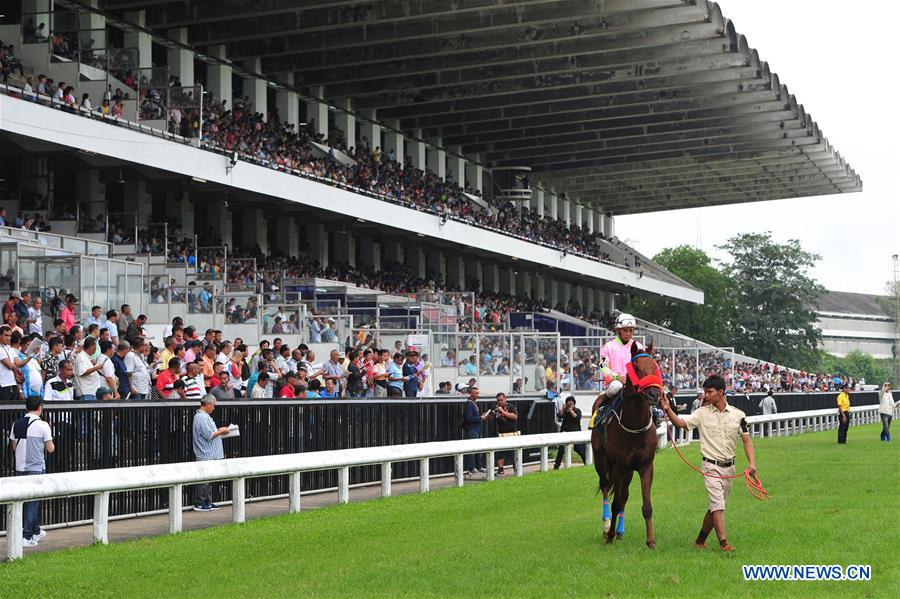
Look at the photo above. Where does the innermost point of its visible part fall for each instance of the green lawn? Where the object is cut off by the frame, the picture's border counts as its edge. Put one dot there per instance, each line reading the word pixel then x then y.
pixel 532 537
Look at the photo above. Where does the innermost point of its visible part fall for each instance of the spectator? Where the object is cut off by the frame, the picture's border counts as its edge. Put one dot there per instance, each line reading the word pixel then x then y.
pixel 356 376
pixel 67 314
pixel 136 329
pixel 223 390
pixel 570 416
pixel 124 320
pixel 334 370
pixel 395 378
pixel 108 368
pixel 506 418
pixel 87 377
pixel 165 382
pixel 9 366
pixel 207 446
pixel 193 382
pixel 886 406
pixel 472 420
pixel 29 438
pixel 330 391
pixel 138 371
pixel 35 318
pixel 50 362
pixel 843 403
pixel 767 405
pixel 410 371
pixel 62 386
pixel 261 388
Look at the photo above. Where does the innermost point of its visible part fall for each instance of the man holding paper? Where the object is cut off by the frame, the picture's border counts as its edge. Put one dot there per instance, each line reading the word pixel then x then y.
pixel 207 446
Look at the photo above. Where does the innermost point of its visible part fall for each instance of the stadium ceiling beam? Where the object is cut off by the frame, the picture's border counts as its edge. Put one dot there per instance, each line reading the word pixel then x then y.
pixel 596 122
pixel 628 137
pixel 702 56
pixel 573 54
pixel 594 34
pixel 700 202
pixel 438 19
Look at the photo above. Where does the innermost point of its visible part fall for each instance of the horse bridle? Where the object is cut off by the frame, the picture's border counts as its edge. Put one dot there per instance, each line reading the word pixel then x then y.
pixel 641 384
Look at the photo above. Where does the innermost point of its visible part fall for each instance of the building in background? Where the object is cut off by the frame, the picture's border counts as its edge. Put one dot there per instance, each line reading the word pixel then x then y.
pixel 857 321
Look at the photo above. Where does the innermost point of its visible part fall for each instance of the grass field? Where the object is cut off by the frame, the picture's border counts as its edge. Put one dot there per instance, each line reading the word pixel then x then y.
pixel 538 536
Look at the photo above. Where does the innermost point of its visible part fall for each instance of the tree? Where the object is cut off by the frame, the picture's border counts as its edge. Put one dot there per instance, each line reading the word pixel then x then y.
pixel 773 299
pixel 858 365
pixel 708 322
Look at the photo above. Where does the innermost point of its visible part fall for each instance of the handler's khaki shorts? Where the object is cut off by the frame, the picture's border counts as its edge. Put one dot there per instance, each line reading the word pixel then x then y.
pixel 718 489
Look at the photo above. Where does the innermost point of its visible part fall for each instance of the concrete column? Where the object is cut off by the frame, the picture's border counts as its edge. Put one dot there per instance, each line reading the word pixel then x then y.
pixel 287 236
pixel 370 129
pixel 508 280
pixel 598 299
pixel 609 225
pixel 288 103
pixel 317 110
pixel 96 23
pixel 523 283
pixel 220 220
pixel 456 170
pixel 537 201
pixel 137 200
pixel 370 252
pixel 91 193
pixel 180 206
pixel 578 215
pixel 587 299
pixel 254 230
pixel 490 278
pixel 436 263
pixel 436 158
pixel 414 257
pixel 566 293
pixel 345 248
pixel 394 141
pixel 598 222
pixel 474 270
pixel 565 211
pixel 551 204
pixel 475 174
pixel 393 251
pixel 456 272
pixel 139 39
pixel 541 289
pixel 553 288
pixel 416 150
pixel 317 240
pixel 256 88
pixel 181 60
pixel 346 121
pixel 218 76
pixel 588 219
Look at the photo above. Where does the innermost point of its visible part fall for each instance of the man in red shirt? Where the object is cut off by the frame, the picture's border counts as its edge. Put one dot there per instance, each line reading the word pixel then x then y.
pixel 288 391
pixel 166 380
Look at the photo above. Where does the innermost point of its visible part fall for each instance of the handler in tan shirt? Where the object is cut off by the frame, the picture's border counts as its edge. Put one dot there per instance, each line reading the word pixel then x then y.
pixel 720 426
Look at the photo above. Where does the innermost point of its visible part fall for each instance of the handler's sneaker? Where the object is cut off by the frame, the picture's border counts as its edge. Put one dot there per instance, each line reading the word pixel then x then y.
pixel 29 542
pixel 202 507
pixel 40 536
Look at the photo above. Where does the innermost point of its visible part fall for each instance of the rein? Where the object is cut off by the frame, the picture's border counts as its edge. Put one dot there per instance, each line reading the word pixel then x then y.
pixel 640 384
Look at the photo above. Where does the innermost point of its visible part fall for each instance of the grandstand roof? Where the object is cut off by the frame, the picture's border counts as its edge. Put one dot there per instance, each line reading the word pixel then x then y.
pixel 845 302
pixel 630 105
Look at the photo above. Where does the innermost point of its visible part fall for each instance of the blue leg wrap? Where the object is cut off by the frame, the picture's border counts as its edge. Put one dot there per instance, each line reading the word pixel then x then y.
pixel 620 525
pixel 607 515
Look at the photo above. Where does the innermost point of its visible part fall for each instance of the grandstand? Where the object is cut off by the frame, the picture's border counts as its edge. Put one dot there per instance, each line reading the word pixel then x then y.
pixel 449 169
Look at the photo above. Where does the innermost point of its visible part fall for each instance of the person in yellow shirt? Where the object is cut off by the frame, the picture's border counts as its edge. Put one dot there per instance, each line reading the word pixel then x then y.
pixel 843 402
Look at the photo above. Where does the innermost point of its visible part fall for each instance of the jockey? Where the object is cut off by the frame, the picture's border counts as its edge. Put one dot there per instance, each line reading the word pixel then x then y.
pixel 616 354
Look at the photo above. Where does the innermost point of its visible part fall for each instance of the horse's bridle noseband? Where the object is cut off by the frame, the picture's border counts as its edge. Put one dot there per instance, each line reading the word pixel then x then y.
pixel 649 381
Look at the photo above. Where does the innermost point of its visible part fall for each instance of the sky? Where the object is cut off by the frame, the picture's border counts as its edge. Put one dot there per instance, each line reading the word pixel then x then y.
pixel 835 57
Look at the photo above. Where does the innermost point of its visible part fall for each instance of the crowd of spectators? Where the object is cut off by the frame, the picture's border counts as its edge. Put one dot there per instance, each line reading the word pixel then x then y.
pixel 29 222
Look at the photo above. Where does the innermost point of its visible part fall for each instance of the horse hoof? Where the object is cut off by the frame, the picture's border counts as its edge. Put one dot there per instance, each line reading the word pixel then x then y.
pixel 619 535
pixel 606 525
pixel 610 539
pixel 651 544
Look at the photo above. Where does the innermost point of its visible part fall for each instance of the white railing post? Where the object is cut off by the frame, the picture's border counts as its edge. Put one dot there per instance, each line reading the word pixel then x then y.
pixel 294 484
pixel 545 458
pixel 344 484
pixel 101 517
pixel 588 454
pixel 567 456
pixel 458 470
pixel 386 479
pixel 489 465
pixel 424 473
pixel 14 512
pixel 518 461
pixel 175 505
pixel 238 500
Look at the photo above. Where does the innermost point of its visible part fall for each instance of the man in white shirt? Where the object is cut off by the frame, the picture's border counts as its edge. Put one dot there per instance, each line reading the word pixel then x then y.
pixel 108 368
pixel 35 317
pixel 138 373
pixel 9 364
pixel 29 437
pixel 61 387
pixel 87 379
pixel 96 318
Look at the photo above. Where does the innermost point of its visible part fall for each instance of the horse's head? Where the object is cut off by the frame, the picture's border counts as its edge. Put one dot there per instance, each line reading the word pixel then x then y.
pixel 644 375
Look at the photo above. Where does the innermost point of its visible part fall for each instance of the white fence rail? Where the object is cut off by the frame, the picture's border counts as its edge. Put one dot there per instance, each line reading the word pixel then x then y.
pixel 15 491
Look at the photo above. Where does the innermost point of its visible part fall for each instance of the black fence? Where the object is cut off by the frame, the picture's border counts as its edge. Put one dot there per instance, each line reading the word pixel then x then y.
pixel 90 436
pixel 800 402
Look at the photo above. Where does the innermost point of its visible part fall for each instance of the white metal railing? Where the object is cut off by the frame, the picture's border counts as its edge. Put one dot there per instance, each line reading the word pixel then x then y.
pixel 15 491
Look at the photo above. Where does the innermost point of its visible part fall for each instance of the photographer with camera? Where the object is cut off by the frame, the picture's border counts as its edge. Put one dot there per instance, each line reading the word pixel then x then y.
pixel 570 418
pixel 506 418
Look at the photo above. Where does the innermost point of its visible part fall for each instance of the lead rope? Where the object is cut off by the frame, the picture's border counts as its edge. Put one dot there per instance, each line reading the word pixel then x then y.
pixel 751 481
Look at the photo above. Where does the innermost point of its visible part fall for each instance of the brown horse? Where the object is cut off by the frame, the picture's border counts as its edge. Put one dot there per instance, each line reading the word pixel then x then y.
pixel 629 445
